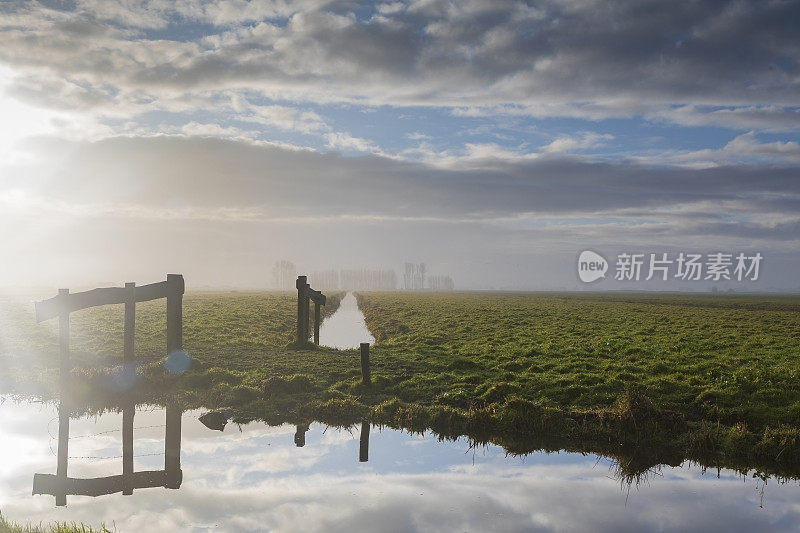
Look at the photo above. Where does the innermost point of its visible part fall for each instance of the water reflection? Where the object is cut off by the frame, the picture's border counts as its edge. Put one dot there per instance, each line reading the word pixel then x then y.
pixel 61 485
pixel 310 477
pixel 300 435
pixel 346 328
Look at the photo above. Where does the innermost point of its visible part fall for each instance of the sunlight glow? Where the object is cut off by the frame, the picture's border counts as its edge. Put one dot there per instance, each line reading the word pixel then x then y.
pixel 19 120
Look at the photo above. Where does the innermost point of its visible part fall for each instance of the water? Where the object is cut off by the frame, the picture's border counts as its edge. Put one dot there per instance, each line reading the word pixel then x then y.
pixel 255 478
pixel 346 327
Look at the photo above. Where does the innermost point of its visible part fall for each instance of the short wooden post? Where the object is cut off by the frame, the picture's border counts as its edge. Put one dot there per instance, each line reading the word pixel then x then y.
pixel 363 448
pixel 302 310
pixel 130 322
pixel 172 451
pixel 128 412
pixel 365 377
pixel 316 323
pixel 175 289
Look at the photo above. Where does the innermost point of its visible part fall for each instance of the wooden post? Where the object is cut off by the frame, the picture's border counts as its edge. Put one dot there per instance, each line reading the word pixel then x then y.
pixel 316 323
pixel 365 377
pixel 63 335
pixel 175 289
pixel 128 412
pixel 363 447
pixel 172 442
pixel 130 321
pixel 302 310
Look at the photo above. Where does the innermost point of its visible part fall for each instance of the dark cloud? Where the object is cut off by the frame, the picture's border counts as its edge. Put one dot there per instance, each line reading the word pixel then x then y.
pixel 203 173
pixel 623 57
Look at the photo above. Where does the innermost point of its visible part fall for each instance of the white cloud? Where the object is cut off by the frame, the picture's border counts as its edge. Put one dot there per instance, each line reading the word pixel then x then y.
pixel 744 148
pixel 214 130
pixel 569 143
pixel 345 141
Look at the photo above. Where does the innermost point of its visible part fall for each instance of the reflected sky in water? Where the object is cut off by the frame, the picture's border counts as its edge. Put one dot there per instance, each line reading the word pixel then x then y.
pixel 254 478
pixel 346 327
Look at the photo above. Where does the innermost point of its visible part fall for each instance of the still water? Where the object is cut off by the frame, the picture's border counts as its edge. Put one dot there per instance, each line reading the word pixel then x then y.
pixel 256 478
pixel 346 327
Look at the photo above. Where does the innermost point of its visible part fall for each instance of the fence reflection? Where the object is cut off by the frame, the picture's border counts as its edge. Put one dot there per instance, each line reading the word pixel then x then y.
pixel 61 485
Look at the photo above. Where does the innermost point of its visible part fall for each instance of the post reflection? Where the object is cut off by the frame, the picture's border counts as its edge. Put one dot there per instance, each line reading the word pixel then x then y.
pixel 300 435
pixel 61 485
pixel 363 445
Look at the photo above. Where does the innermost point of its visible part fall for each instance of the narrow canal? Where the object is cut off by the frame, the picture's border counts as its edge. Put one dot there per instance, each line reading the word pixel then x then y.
pixel 346 327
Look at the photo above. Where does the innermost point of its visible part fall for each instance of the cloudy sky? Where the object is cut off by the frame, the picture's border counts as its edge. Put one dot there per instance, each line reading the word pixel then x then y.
pixel 492 140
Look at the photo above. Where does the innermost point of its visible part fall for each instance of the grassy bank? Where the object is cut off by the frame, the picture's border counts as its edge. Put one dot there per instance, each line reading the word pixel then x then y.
pixel 648 379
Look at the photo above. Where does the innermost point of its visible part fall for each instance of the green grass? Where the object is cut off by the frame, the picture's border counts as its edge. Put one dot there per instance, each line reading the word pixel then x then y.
pixel 729 359
pixel 645 378
pixel 12 527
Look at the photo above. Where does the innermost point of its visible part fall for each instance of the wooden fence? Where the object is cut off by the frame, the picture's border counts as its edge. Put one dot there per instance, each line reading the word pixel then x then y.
pixel 65 303
pixel 61 306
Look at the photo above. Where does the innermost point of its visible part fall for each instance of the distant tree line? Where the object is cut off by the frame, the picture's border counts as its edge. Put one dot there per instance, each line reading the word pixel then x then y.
pixel 284 275
pixel 441 283
pixel 414 278
pixel 325 280
pixel 367 280
pixel 354 280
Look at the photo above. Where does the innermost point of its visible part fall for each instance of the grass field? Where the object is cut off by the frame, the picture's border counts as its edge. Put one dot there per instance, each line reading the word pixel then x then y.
pixel 722 358
pixel 655 378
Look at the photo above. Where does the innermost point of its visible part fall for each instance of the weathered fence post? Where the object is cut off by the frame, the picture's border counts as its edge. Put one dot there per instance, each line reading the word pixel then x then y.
pixel 172 436
pixel 172 448
pixel 363 447
pixel 302 310
pixel 175 289
pixel 128 412
pixel 63 333
pixel 365 377
pixel 130 322
pixel 305 294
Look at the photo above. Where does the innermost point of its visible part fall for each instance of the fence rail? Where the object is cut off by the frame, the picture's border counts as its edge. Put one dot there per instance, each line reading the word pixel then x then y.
pixel 70 302
pixel 65 303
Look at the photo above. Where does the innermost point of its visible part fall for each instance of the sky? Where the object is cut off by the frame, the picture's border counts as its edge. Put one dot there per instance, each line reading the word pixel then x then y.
pixel 494 141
